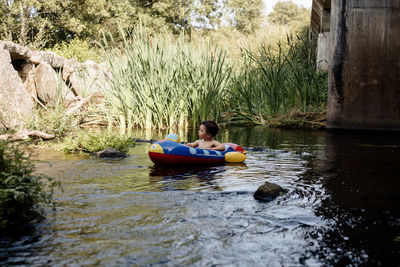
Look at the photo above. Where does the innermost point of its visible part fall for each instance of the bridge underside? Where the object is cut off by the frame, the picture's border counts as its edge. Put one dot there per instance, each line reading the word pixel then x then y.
pixel 364 65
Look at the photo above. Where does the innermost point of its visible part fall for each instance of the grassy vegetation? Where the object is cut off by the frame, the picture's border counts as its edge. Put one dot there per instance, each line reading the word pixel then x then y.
pixel 52 121
pixel 161 82
pixel 22 194
pixel 87 141
pixel 82 50
pixel 278 79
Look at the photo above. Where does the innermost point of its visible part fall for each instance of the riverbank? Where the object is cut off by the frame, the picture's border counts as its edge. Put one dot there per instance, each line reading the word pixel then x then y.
pixel 300 120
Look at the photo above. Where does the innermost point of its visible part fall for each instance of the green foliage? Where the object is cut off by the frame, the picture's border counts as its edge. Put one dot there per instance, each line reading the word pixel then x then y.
pixel 91 142
pixel 44 24
pixel 165 16
pixel 278 79
pixel 22 194
pixel 161 82
pixel 247 15
pixel 79 49
pixel 290 14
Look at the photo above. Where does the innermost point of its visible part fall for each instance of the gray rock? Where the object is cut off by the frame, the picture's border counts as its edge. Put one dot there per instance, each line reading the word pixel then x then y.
pixel 70 65
pixel 16 51
pixel 47 83
pixel 73 73
pixel 110 152
pixel 268 192
pixel 26 70
pixel 16 105
pixel 29 81
pixel 50 58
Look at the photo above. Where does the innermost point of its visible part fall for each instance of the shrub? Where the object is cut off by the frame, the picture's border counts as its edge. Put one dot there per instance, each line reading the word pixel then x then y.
pixel 22 194
pixel 92 142
pixel 79 49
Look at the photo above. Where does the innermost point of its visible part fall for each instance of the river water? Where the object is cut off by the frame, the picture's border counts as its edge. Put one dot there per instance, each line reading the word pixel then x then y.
pixel 342 206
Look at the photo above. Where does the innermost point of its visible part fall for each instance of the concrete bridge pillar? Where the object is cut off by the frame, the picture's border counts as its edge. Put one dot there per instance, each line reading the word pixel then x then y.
pixel 364 71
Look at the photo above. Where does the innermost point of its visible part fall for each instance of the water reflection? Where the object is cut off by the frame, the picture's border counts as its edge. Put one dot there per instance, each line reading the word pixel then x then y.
pixel 190 177
pixel 361 203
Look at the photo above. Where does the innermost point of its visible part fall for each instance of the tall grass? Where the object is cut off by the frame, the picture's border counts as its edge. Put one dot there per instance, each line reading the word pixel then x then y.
pixel 277 79
pixel 160 82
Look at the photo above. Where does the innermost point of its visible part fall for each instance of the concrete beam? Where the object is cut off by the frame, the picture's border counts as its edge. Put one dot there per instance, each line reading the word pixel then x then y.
pixel 364 74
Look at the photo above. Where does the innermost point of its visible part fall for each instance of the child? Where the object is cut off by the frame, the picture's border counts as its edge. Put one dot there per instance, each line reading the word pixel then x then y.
pixel 207 130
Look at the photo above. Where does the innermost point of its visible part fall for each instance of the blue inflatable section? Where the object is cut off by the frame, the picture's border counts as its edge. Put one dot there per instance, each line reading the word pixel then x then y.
pixel 174 148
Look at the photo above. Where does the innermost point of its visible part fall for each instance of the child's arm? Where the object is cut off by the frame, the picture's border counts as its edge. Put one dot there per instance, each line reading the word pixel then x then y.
pixel 194 144
pixel 217 146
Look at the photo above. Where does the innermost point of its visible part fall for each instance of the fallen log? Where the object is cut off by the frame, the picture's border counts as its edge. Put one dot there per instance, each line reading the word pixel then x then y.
pixel 25 134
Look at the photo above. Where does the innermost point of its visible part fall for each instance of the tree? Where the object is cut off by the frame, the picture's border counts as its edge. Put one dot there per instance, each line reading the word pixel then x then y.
pixel 16 17
pixel 44 23
pixel 165 15
pixel 288 13
pixel 208 13
pixel 246 14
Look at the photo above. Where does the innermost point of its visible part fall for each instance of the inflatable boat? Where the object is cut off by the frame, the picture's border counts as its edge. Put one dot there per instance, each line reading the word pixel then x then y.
pixel 170 152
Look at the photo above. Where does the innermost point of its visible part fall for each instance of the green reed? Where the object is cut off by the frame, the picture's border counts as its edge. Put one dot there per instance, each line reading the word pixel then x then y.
pixel 278 79
pixel 162 82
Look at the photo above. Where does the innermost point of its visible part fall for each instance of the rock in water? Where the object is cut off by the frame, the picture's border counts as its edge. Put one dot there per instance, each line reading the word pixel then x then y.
pixel 110 152
pixel 268 192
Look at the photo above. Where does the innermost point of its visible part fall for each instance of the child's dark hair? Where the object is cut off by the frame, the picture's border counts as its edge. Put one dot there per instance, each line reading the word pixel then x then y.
pixel 211 127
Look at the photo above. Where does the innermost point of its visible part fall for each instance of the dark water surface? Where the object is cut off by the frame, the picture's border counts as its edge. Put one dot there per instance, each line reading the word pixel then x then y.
pixel 342 206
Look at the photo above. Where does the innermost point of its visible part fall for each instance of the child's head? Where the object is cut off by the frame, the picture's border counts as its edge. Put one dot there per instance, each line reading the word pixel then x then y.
pixel 211 127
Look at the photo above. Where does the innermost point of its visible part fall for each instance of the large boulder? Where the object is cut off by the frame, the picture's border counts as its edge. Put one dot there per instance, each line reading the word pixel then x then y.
pixel 48 57
pixel 37 72
pixel 268 192
pixel 15 104
pixel 47 83
pixel 16 51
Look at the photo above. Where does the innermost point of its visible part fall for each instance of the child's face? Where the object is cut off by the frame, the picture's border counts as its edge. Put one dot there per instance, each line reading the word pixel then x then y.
pixel 203 132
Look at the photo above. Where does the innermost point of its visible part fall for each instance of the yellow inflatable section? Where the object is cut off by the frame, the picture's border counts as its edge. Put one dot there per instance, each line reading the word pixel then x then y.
pixel 235 157
pixel 156 148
